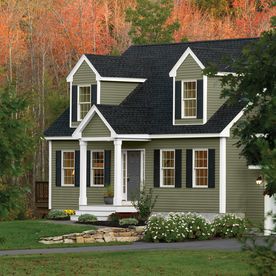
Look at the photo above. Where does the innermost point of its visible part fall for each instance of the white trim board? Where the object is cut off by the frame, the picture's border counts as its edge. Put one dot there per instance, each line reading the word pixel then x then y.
pixel 50 177
pixel 222 175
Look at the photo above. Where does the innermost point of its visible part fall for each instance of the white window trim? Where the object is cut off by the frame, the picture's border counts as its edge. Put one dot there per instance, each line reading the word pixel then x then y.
pixel 161 170
pixel 62 168
pixel 182 99
pixel 194 175
pixel 91 170
pixel 79 86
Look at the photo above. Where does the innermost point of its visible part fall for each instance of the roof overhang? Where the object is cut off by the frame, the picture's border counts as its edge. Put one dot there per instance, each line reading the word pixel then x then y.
pixel 77 134
pixel 182 59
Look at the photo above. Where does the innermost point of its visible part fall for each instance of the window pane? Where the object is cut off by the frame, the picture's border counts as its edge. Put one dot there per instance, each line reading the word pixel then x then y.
pixel 98 167
pixel 168 177
pixel 201 167
pixel 84 95
pixel 168 163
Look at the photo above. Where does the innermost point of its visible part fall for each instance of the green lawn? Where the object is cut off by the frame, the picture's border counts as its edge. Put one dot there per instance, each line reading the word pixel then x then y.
pixel 130 263
pixel 21 234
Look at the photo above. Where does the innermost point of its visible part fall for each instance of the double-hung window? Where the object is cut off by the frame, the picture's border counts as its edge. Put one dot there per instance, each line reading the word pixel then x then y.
pixel 200 168
pixel 84 100
pixel 97 168
pixel 189 99
pixel 68 168
pixel 167 173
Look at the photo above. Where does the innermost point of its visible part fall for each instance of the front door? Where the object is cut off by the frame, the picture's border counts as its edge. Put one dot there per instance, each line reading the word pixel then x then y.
pixel 131 175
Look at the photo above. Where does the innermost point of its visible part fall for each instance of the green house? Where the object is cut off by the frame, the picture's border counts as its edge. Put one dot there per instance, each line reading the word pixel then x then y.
pixel 150 118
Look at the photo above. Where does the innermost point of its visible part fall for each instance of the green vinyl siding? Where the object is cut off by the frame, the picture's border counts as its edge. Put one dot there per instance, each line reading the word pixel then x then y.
pixel 182 199
pixel 189 70
pixel 63 197
pixel 84 75
pixel 190 121
pixel 68 197
pixel 214 102
pixel 115 92
pixel 96 128
pixel 95 194
pixel 242 193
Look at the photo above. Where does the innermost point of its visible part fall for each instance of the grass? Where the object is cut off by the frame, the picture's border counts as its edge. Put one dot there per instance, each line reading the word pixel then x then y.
pixel 25 234
pixel 165 262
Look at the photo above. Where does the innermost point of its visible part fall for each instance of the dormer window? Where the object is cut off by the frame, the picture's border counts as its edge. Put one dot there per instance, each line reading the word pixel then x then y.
pixel 189 99
pixel 84 101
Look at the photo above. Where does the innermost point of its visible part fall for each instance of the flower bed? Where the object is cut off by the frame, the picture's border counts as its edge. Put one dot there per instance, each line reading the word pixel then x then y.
pixel 180 226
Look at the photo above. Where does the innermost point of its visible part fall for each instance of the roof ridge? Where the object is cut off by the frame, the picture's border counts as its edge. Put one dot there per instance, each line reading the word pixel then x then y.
pixel 198 41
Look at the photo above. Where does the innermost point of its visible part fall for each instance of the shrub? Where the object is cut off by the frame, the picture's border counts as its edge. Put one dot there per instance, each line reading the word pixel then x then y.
pixel 229 226
pixel 128 221
pixel 145 204
pixel 85 218
pixel 178 227
pixel 57 215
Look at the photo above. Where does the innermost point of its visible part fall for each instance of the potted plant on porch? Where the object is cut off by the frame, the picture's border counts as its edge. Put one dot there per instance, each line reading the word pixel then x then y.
pixel 108 195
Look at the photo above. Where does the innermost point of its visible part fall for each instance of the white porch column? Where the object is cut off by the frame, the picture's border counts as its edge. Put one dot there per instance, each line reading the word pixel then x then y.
pixel 222 175
pixel 83 156
pixel 118 189
pixel 269 205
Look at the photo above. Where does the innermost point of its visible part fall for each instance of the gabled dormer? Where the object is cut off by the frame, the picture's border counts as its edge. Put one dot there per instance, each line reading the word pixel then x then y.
pixel 190 90
pixel 90 83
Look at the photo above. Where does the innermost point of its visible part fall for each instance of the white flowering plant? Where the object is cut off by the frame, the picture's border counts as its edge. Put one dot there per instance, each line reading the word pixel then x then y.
pixel 178 227
pixel 229 226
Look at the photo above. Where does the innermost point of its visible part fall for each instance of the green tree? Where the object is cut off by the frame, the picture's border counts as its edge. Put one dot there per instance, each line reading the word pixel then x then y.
pixel 16 140
pixel 253 85
pixel 149 22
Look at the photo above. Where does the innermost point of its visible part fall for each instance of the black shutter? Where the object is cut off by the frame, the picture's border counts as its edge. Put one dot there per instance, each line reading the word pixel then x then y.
pixel 199 99
pixel 211 168
pixel 107 167
pixel 189 168
pixel 88 168
pixel 58 168
pixel 74 103
pixel 93 94
pixel 77 168
pixel 156 168
pixel 178 168
pixel 178 100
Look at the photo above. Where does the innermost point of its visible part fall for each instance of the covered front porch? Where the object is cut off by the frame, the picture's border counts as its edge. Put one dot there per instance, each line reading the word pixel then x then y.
pixel 127 170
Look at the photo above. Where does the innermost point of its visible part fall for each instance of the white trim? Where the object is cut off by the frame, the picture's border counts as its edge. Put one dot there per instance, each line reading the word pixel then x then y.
pixel 161 171
pixel 122 79
pixel 254 167
pixel 221 74
pixel 76 67
pixel 83 173
pixel 95 139
pixel 222 175
pixel 181 60
pixel 91 168
pixel 62 169
pixel 205 98
pixel 173 119
pixel 183 99
pixel 94 110
pixel 50 177
pixel 98 92
pixel 78 99
pixel 59 138
pixel 226 130
pixel 269 207
pixel 70 109
pixel 118 191
pixel 193 171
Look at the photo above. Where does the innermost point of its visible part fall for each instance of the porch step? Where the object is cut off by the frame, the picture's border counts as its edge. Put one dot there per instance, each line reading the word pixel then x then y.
pixel 102 212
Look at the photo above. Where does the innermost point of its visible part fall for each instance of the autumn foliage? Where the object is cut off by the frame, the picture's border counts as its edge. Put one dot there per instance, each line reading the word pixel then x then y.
pixel 40 41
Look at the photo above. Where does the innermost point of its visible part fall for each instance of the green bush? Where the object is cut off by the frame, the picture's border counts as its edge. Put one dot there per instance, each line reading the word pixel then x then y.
pixel 86 218
pixel 128 221
pixel 58 215
pixel 178 227
pixel 229 226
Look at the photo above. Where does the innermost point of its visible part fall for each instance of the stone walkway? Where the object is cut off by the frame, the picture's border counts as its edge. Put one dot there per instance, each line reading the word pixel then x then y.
pixel 229 245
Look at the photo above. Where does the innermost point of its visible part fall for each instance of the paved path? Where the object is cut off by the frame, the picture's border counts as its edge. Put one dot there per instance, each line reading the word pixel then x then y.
pixel 229 245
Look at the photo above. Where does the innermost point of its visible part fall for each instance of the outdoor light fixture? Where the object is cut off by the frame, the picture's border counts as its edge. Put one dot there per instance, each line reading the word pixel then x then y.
pixel 259 180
